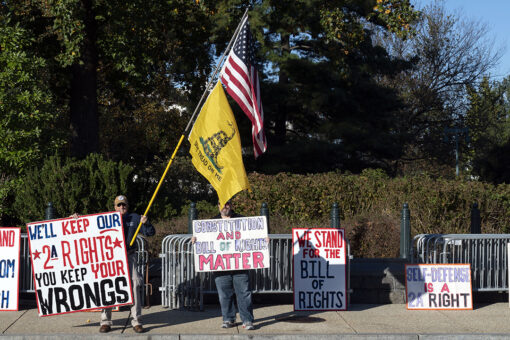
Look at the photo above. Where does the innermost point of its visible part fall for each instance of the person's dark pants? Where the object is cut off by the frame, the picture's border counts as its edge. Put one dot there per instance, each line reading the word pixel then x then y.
pixel 229 282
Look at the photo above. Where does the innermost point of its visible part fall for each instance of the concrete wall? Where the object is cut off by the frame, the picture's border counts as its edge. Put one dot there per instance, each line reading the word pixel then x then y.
pixel 379 281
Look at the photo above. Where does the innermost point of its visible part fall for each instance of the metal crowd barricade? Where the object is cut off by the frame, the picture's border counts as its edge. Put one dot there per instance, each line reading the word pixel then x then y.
pixel 143 265
pixel 26 281
pixel 182 287
pixel 179 282
pixel 487 254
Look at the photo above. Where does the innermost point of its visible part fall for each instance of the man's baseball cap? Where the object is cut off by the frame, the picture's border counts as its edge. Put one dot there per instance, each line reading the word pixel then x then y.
pixel 121 199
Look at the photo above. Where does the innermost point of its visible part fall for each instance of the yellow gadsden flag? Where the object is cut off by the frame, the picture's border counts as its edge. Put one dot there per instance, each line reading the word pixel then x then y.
pixel 216 146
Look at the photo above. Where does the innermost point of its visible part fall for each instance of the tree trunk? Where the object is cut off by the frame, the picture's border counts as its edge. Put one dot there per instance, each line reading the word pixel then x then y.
pixel 83 103
pixel 280 126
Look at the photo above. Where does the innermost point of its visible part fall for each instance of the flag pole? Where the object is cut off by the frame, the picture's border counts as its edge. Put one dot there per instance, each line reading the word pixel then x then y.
pixel 206 92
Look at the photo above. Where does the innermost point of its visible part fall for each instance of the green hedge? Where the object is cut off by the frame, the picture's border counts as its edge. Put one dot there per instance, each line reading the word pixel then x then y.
pixel 89 186
pixel 370 203
pixel 82 186
pixel 370 206
pixel 436 205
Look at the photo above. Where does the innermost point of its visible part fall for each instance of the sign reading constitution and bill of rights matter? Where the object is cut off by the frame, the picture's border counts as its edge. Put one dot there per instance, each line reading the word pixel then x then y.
pixel 320 279
pixel 79 263
pixel 439 286
pixel 231 244
pixel 9 268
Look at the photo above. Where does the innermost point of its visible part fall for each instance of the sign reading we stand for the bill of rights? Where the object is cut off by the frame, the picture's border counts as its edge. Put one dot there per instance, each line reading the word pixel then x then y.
pixel 439 286
pixel 9 268
pixel 79 263
pixel 231 244
pixel 320 279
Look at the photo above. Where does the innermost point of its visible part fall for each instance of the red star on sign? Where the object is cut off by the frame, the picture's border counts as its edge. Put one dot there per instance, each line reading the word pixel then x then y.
pixel 37 254
pixel 117 243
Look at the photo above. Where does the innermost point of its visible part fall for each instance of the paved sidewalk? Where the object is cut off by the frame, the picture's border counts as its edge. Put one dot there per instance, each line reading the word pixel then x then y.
pixel 491 321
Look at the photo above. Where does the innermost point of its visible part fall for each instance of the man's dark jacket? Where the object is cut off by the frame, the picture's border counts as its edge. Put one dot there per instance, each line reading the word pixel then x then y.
pixel 131 222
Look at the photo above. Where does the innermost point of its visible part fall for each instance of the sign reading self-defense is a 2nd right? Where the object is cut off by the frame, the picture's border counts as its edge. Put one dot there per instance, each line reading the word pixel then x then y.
pixel 79 263
pixel 320 279
pixel 439 286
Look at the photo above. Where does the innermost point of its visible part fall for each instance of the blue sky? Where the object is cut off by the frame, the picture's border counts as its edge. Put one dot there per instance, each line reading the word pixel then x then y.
pixel 495 13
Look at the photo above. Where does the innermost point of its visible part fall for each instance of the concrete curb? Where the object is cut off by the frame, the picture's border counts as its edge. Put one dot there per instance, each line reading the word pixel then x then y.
pixel 371 322
pixel 263 337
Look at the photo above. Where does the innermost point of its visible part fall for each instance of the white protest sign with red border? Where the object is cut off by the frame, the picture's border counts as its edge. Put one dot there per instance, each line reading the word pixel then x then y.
pixel 231 244
pixel 79 264
pixel 439 286
pixel 320 280
pixel 9 268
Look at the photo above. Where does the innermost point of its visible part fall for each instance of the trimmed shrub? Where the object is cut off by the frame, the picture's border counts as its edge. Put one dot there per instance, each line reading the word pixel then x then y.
pixel 370 205
pixel 73 186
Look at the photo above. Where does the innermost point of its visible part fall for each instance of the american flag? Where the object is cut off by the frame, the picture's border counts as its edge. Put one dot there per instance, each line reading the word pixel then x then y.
pixel 242 83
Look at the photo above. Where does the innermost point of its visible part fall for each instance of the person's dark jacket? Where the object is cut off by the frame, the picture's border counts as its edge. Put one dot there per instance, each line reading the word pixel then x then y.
pixel 130 222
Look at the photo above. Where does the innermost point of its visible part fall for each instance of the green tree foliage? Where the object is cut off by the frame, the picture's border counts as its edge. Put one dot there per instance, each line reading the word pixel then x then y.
pixel 113 55
pixel 319 65
pixel 489 130
pixel 121 77
pixel 27 114
pixel 29 119
pixel 155 67
pixel 120 67
pixel 395 16
pixel 448 53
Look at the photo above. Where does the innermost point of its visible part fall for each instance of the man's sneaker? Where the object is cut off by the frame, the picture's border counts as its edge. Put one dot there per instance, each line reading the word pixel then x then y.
pixel 138 329
pixel 248 326
pixel 104 329
pixel 228 324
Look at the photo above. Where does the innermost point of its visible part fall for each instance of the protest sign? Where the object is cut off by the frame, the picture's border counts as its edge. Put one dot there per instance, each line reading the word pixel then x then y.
pixel 79 263
pixel 231 244
pixel 9 268
pixel 438 286
pixel 320 280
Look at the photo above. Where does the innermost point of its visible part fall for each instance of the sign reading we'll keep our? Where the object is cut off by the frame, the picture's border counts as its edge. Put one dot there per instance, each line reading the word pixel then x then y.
pixel 79 263
pixel 231 244
pixel 9 268
pixel 439 286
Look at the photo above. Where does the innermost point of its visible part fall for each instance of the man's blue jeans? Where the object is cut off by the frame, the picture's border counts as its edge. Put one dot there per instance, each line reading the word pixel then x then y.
pixel 234 281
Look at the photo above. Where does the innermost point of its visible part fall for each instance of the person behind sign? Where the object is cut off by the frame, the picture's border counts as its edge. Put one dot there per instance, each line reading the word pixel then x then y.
pixel 233 281
pixel 130 222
